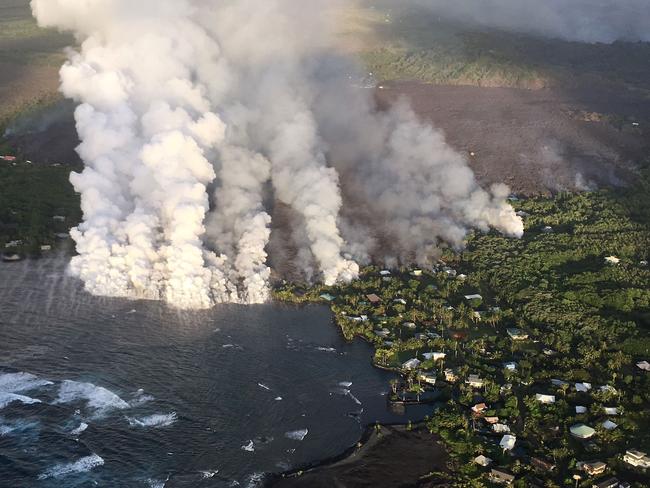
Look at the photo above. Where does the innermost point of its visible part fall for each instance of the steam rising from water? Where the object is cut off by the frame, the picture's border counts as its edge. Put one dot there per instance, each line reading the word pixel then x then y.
pixel 194 115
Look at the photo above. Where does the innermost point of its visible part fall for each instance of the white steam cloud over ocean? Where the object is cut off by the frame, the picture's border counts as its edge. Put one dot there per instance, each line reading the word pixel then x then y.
pixel 198 118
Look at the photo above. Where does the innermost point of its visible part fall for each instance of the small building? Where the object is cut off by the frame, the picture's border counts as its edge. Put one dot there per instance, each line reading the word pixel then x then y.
pixel 583 387
pixel 611 411
pixel 491 420
pixel 476 296
pixel 612 260
pixel 482 460
pixel 416 272
pixel 412 364
pixel 547 229
pixel 327 297
pixel 479 408
pixel 582 431
pixel 409 325
pixel 475 381
pixel 609 483
pixel 510 366
pixel 581 409
pixel 594 468
pixel 382 333
pixel 461 277
pixel 384 272
pixel 508 442
pixel 399 300
pixel 542 464
pixel 609 425
pixel 501 477
pixel 46 247
pixel 500 428
pixel 637 459
pixel 428 378
pixel 436 356
pixel 450 375
pixel 545 398
pixel 643 365
pixel 560 383
pixel 517 334
pixel 373 298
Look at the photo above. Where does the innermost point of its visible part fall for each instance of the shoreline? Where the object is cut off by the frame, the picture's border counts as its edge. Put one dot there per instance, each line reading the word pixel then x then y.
pixel 370 459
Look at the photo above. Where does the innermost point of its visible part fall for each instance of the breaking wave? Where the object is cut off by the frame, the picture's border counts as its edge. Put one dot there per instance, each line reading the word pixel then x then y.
pixel 83 465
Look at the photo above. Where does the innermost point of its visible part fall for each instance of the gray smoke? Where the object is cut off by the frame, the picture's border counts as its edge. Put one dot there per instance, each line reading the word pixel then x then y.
pixel 195 115
pixel 573 20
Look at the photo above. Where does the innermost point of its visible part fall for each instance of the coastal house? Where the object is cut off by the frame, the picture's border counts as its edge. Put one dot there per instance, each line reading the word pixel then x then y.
pixel 510 366
pixel 594 468
pixel 612 260
pixel 637 459
pixel 508 442
pixel 384 272
pixel 583 387
pixel 482 460
pixel 409 325
pixel 327 297
pixel 491 420
pixel 411 364
pixel 500 429
pixel 416 272
pixel 428 378
pixel 373 298
pixel 582 431
pixel 450 272
pixel 609 483
pixel 461 277
pixel 517 334
pixel 501 477
pixel 560 383
pixel 382 333
pixel 581 409
pixel 545 398
pixel 643 365
pixel 436 356
pixel 475 381
pixel 611 411
pixel 476 296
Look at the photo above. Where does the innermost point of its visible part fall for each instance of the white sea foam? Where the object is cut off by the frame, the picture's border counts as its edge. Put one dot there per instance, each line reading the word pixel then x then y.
pixel 255 480
pixel 79 429
pixel 326 349
pixel 81 466
pixel 346 384
pixel 278 399
pixel 7 398
pixel 209 474
pixel 355 399
pixel 156 420
pixel 140 398
pixel 98 398
pixel 250 447
pixel 19 382
pixel 297 435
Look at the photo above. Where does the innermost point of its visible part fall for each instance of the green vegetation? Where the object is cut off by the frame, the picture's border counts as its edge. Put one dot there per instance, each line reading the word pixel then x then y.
pixel 581 319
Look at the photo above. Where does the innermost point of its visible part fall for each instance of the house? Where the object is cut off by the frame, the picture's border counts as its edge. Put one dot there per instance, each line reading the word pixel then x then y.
pixel 476 296
pixel 411 364
pixel 482 460
pixel 517 334
pixel 436 356
pixel 545 398
pixel 583 387
pixel 594 468
pixel 581 409
pixel 475 381
pixel 409 325
pixel 612 260
pixel 560 383
pixel 609 425
pixel 611 411
pixel 450 375
pixel 637 459
pixel 384 272
pixel 582 431
pixel 461 277
pixel 327 297
pixel 542 464
pixel 508 442
pixel 479 408
pixel 510 366
pixel 491 420
pixel 643 365
pixel 501 477
pixel 500 429
pixel 416 272
pixel 46 248
pixel 399 300
pixel 374 299
pixel 610 483
pixel 9 159
pixel 428 378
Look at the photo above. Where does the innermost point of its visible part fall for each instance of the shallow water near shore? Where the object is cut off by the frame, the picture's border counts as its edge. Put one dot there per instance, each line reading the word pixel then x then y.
pixel 116 393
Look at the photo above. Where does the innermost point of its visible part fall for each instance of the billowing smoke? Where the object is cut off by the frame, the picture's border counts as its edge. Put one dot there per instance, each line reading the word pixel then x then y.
pixel 197 118
pixel 573 20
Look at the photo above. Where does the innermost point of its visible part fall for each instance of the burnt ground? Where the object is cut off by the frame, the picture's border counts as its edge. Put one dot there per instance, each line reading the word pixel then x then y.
pixel 537 141
pixel 397 458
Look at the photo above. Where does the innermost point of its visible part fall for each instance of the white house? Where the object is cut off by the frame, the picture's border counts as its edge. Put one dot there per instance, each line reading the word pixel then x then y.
pixel 644 365
pixel 411 364
pixel 475 381
pixel 581 409
pixel 612 260
pixel 476 296
pixel 510 366
pixel 508 442
pixel 583 387
pixel 428 378
pixel 637 458
pixel 482 460
pixel 409 325
pixel 501 428
pixel 545 398
pixel 609 425
pixel 611 411
pixel 384 272
pixel 436 356
pixel 582 431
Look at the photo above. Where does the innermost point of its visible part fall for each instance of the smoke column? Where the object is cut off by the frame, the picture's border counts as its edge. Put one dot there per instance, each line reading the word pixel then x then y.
pixel 197 117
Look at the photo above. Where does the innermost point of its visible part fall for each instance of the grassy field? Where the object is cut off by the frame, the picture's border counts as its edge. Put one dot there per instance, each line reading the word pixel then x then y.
pixel 411 43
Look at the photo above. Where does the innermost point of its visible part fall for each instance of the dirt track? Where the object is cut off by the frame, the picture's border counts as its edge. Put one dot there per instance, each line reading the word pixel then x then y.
pixel 535 140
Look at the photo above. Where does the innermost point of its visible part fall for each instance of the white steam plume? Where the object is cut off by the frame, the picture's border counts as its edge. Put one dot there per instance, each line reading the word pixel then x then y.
pixel 196 116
